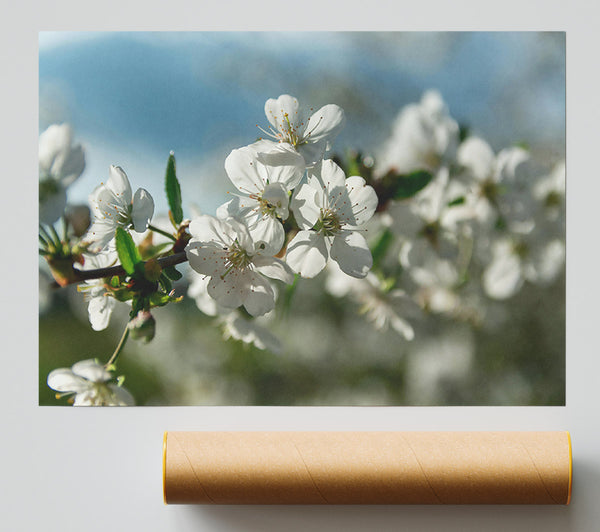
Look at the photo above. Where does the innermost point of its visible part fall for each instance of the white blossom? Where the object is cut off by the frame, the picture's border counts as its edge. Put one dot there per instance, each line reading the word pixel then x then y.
pixel 424 136
pixel 266 180
pixel 310 133
pixel 60 164
pixel 430 229
pixel 100 303
pixel 88 381
pixel 536 257
pixel 331 211
pixel 224 251
pixel 384 307
pixel 114 206
pixel 498 185
pixel 250 332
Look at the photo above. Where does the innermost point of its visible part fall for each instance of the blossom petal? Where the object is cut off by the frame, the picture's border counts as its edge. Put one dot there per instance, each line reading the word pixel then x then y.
pixel 278 110
pixel 276 195
pixel 307 253
pixel 274 268
pixel 229 290
pixel 284 165
pixel 58 159
pixel 268 236
pixel 502 278
pixel 207 259
pixel 205 228
pixel 261 298
pixel 91 370
pixel 142 210
pixel 476 154
pixel 63 380
pixel 325 124
pixel 99 309
pixel 244 170
pixel 351 252
pixel 118 184
pixel 326 176
pixel 363 201
pixel 304 205
pixel 120 396
pixel 545 261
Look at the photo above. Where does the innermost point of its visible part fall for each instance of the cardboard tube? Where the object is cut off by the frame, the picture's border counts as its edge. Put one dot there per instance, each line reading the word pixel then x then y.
pixel 367 467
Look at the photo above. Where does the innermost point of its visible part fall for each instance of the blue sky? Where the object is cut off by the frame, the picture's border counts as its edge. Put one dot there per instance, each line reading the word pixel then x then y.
pixel 133 97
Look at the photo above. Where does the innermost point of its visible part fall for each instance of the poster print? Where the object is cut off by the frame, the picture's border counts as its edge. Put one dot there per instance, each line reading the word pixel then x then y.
pixel 302 218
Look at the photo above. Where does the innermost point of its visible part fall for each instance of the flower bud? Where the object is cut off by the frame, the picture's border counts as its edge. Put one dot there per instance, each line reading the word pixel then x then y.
pixel 142 327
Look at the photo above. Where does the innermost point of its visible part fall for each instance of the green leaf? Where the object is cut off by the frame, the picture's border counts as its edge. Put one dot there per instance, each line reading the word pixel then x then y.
pixel 173 190
pixel 406 186
pixel 128 253
pixel 165 282
pixel 457 201
pixel 172 273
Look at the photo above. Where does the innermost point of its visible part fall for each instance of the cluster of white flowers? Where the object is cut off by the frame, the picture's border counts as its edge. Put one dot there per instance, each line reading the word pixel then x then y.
pixel 437 223
pixel 482 227
pixel 246 244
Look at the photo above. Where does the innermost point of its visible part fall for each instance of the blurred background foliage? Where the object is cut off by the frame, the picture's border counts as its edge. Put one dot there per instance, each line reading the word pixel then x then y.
pixel 133 97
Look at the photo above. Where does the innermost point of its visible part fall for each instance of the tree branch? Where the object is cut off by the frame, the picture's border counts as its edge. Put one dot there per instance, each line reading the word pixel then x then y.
pixel 100 273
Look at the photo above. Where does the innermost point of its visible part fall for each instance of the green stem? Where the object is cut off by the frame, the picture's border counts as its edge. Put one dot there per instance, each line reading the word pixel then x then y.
pixel 119 348
pixel 65 228
pixel 57 238
pixel 46 235
pixel 161 232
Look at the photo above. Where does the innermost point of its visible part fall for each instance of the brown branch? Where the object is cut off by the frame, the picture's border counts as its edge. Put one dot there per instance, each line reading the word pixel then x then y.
pixel 100 273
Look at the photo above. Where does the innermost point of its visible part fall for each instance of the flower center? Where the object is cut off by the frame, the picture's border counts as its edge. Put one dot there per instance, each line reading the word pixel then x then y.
pixel 237 257
pixel 329 224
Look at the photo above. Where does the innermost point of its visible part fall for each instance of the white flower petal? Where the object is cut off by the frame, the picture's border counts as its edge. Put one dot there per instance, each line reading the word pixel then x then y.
pixel 502 278
pixel 312 153
pixel 99 309
pixel 307 253
pixel 284 165
pixel 545 261
pixel 363 201
pixel 325 124
pixel 231 289
pixel 304 205
pixel 476 155
pixel 198 290
pixel 91 370
pixel 261 298
pixel 120 396
pixel 268 236
pixel 274 268
pixel 207 259
pixel 276 195
pixel 63 380
pixel 282 109
pixel 142 210
pixel 350 251
pixel 327 176
pixel 245 171
pixel 118 184
pixel 58 159
pixel 205 228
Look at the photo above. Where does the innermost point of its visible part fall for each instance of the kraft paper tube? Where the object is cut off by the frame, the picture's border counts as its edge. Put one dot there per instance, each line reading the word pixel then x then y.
pixel 367 467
